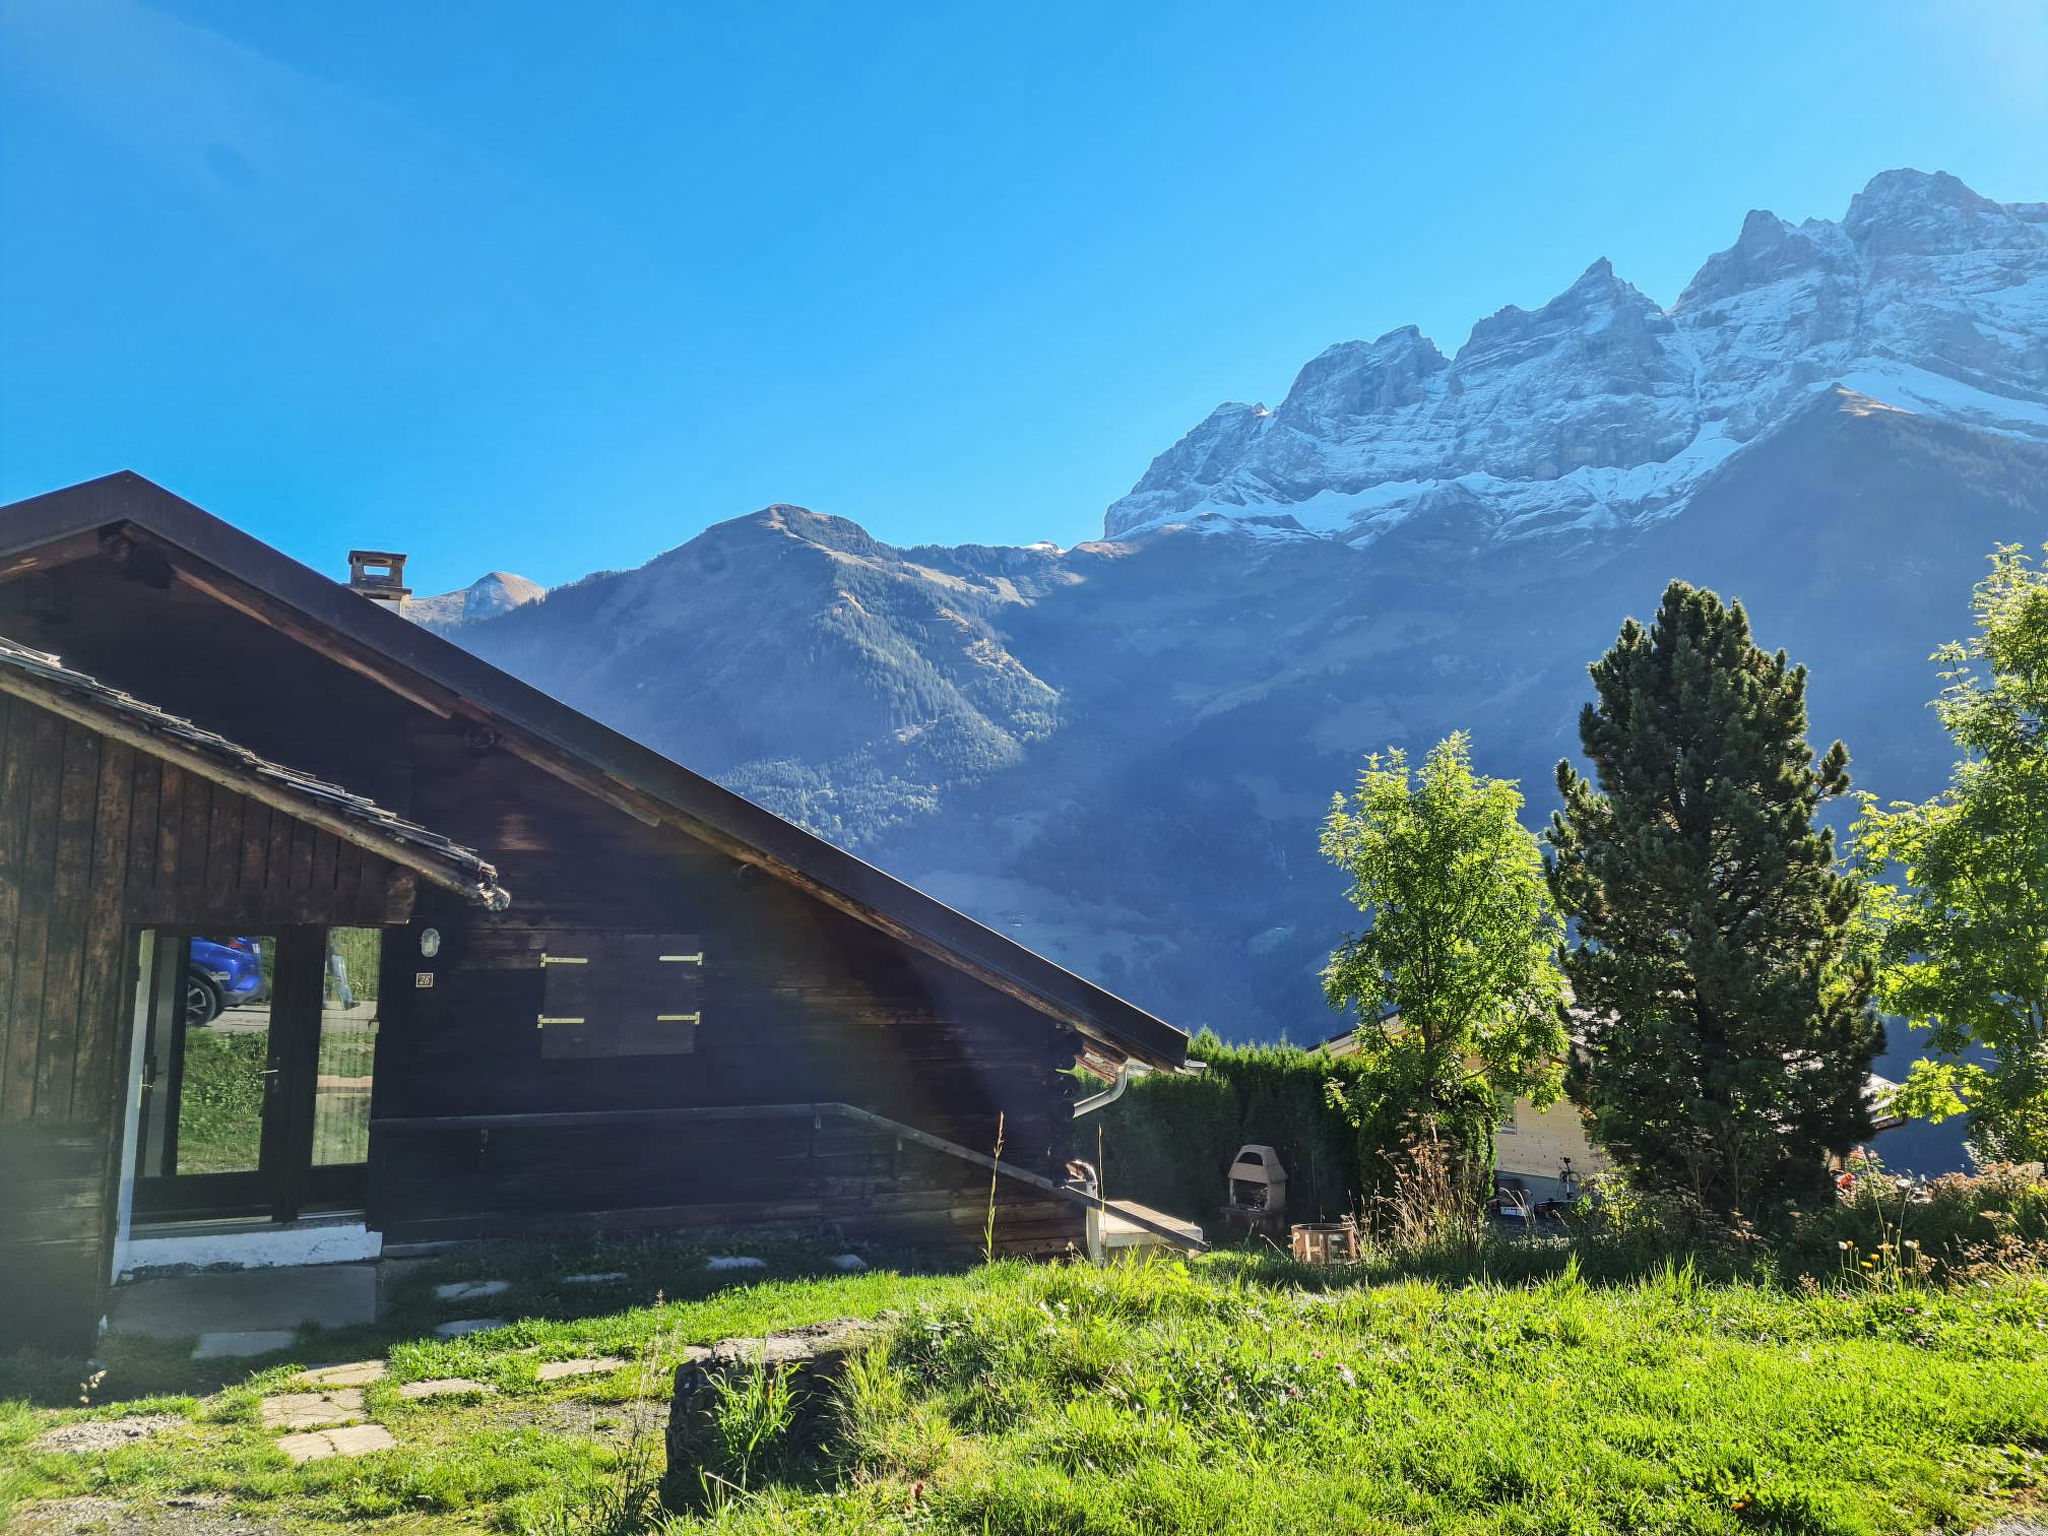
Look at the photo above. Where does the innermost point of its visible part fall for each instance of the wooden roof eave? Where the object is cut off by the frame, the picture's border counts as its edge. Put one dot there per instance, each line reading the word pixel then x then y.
pixel 278 797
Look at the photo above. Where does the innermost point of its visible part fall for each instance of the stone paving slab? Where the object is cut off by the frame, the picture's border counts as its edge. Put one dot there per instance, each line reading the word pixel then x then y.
pixel 312 1410
pixel 234 1346
pixel 465 1290
pixel 852 1263
pixel 319 1444
pixel 734 1261
pixel 440 1386
pixel 462 1327
pixel 608 1277
pixel 558 1370
pixel 356 1373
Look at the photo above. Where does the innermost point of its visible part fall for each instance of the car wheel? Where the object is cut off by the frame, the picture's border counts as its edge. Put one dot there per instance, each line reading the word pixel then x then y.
pixel 203 1000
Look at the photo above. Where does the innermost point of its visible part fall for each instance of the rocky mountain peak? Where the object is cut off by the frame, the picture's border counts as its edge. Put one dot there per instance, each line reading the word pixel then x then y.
pixel 489 595
pixel 1584 419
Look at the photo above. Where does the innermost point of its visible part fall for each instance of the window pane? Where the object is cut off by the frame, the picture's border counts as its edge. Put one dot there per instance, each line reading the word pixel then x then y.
pixel 348 1046
pixel 225 1020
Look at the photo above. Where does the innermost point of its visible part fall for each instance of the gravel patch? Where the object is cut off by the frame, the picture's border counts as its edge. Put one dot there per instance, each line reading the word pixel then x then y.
pixel 105 1434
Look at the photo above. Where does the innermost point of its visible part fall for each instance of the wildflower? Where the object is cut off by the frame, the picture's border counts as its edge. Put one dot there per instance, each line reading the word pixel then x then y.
pixel 1845 1244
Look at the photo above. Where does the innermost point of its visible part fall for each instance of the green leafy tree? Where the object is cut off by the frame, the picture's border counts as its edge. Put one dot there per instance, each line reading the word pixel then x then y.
pixel 1725 1012
pixel 1455 978
pixel 1963 935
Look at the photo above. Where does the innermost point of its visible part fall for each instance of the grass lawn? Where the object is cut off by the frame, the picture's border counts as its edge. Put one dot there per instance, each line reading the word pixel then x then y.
pixel 1236 1393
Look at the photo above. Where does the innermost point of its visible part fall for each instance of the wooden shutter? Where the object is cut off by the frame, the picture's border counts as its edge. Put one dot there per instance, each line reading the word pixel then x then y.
pixel 620 994
pixel 577 976
pixel 661 987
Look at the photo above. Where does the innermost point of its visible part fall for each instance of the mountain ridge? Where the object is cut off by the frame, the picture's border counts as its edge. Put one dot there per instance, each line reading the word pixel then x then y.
pixel 1119 753
pixel 1924 290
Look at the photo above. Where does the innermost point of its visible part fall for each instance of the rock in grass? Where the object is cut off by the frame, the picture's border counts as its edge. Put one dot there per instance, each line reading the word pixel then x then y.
pixel 735 1262
pixel 312 1410
pixel 469 1290
pixel 462 1327
pixel 557 1370
pixel 809 1359
pixel 355 1373
pixel 441 1386
pixel 317 1445
pixel 852 1263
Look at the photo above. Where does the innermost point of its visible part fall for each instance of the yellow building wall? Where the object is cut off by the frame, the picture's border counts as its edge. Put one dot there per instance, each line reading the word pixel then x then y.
pixel 1540 1141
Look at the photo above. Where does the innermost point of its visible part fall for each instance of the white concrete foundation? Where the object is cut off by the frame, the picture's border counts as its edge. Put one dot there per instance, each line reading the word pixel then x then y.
pixel 261 1248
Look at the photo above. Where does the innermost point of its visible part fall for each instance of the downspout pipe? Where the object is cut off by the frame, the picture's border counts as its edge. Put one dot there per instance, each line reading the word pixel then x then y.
pixel 1113 1092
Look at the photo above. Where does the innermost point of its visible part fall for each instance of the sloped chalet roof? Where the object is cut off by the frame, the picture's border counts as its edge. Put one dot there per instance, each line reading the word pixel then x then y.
pixel 124 512
pixel 45 681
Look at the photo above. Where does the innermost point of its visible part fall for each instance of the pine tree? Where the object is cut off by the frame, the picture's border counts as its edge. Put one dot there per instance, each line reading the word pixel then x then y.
pixel 1727 1022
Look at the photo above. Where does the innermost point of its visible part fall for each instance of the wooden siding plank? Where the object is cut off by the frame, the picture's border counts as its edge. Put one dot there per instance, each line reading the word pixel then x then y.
pixel 299 877
pixel 142 835
pixel 64 966
pixel 348 879
pixel 223 849
pixel 96 1090
pixel 256 819
pixel 16 734
pixel 326 856
pixel 170 827
pixel 32 931
pixel 277 863
pixel 195 821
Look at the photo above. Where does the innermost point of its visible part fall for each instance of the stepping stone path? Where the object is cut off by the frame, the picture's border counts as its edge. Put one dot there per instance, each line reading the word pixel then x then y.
pixel 850 1262
pixel 469 1290
pixel 558 1370
pixel 233 1346
pixel 440 1386
pixel 735 1263
pixel 357 1440
pixel 357 1373
pixel 607 1278
pixel 312 1410
pixel 462 1327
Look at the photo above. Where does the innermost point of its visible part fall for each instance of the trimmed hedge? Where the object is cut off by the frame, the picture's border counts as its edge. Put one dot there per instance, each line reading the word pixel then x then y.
pixel 1168 1142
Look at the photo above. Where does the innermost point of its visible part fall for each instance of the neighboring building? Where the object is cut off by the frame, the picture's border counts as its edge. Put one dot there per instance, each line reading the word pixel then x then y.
pixel 470 965
pixel 1534 1146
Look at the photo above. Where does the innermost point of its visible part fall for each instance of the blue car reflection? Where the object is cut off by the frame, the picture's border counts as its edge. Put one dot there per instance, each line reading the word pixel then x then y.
pixel 219 974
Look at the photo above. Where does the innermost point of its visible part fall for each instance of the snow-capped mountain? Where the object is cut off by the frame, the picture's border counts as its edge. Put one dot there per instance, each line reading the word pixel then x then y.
pixel 1120 753
pixel 1602 410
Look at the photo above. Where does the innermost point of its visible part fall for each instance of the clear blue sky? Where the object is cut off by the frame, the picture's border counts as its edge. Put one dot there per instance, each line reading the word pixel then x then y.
pixel 553 287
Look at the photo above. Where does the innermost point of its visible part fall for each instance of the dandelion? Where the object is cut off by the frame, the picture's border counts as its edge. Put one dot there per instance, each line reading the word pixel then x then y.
pixel 1845 1244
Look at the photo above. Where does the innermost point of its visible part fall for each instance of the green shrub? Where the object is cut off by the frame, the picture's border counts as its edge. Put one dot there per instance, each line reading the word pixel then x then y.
pixel 1169 1140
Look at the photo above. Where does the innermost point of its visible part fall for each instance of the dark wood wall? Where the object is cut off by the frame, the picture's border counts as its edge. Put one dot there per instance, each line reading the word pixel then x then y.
pixel 799 1001
pixel 96 840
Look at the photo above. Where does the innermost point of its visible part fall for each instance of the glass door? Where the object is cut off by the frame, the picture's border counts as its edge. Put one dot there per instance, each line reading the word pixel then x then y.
pixel 345 1064
pixel 258 1057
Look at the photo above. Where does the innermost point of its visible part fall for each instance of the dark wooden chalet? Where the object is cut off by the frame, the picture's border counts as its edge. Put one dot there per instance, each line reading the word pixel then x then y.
pixel 470 965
